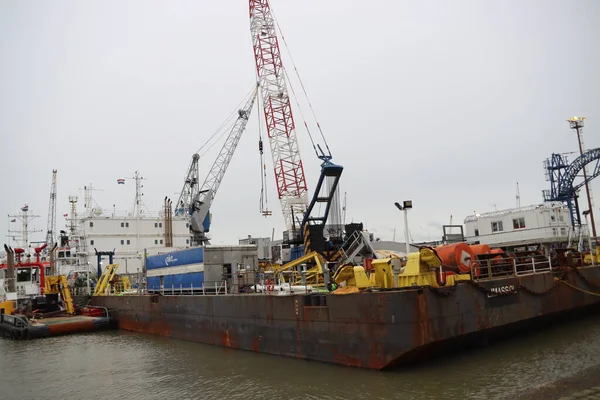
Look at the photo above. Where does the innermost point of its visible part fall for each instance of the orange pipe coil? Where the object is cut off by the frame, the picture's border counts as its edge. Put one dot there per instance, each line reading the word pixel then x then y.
pixel 458 255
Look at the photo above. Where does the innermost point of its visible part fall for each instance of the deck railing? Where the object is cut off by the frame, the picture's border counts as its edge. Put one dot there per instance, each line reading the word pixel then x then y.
pixel 16 321
pixel 207 288
pixel 512 266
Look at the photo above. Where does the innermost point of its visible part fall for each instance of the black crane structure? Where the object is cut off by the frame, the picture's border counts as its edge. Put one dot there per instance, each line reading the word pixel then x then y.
pixel 561 174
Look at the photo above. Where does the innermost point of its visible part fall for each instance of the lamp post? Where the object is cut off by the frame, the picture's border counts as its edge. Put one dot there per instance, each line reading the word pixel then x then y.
pixel 587 228
pixel 406 205
pixel 576 124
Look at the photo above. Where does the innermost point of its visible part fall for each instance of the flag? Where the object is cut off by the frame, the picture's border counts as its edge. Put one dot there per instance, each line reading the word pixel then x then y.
pixel 121 181
pixel 13 220
pixel 25 208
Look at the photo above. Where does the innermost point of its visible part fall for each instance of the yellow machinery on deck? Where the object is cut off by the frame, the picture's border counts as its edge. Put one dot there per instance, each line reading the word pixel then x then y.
pixel 110 282
pixel 593 257
pixel 422 268
pixel 57 284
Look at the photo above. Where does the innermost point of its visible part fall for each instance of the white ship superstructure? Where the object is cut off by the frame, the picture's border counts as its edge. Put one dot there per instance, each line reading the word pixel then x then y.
pixel 543 223
pixel 126 233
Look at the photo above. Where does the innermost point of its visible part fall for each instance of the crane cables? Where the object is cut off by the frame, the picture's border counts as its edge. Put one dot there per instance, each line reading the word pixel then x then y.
pixel 264 209
pixel 305 93
pixel 222 131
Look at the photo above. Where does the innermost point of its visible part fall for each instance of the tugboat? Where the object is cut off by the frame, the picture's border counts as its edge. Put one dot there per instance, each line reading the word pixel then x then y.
pixel 51 313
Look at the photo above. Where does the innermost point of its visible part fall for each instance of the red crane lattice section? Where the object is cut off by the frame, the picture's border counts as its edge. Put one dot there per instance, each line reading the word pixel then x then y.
pixel 287 164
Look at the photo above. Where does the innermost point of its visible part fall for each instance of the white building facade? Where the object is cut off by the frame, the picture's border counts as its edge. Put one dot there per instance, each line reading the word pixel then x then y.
pixel 539 223
pixel 129 236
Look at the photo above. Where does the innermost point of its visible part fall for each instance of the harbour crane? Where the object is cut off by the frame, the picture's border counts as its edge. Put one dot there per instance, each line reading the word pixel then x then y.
pixel 195 200
pixel 51 229
pixel 281 129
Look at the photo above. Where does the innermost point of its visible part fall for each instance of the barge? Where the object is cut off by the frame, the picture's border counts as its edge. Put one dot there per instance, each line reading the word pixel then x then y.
pixel 376 318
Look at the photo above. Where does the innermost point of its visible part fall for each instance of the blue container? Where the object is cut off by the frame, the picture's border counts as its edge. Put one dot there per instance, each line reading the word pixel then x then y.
pixel 296 252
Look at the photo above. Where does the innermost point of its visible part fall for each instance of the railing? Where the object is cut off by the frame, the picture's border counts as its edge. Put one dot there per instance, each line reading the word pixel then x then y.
pixel 81 291
pixel 17 321
pixel 512 266
pixel 207 288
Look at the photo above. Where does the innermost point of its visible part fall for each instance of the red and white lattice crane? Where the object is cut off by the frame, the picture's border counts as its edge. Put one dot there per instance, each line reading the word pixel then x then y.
pixel 287 164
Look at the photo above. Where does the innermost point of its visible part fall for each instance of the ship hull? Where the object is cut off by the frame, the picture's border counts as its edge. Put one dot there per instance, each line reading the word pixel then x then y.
pixel 375 330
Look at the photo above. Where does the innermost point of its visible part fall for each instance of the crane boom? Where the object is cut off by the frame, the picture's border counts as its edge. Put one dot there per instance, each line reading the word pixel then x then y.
pixel 190 188
pixel 287 164
pixel 196 200
pixel 51 229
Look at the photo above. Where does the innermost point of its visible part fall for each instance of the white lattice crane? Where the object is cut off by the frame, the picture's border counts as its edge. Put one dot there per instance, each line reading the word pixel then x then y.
pixel 195 200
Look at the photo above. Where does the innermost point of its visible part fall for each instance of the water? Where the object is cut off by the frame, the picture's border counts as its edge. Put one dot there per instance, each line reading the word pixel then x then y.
pixel 112 365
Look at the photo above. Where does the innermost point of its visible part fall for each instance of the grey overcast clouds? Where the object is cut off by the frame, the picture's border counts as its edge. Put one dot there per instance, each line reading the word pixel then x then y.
pixel 445 103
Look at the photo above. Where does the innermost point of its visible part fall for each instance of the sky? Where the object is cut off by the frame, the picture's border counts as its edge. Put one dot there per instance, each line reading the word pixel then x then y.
pixel 447 104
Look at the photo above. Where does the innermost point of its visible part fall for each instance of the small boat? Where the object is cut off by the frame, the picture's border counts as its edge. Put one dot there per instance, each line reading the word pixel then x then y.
pixel 20 327
pixel 51 314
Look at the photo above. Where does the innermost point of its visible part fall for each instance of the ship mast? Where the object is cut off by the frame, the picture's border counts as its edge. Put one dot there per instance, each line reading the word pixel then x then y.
pixel 25 218
pixel 138 203
pixel 51 229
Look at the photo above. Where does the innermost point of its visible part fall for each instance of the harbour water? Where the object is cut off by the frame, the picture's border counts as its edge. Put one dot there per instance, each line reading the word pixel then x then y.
pixel 119 364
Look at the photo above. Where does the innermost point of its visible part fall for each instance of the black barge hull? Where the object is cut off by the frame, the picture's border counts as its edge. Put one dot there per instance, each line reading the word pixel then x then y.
pixel 373 330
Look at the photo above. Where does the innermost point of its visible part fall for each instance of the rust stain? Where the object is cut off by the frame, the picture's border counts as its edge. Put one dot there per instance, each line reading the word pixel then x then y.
pixel 423 323
pixel 298 336
pixel 343 359
pixel 71 327
pixel 375 356
pixel 225 341
pixel 256 344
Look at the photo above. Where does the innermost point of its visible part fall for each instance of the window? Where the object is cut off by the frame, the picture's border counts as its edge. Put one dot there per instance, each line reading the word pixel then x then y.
pixel 563 231
pixel 127 224
pixel 161 241
pixel 187 225
pixel 552 218
pixel 160 224
pixel 497 226
pixel 122 224
pixel 476 232
pixel 155 241
pixel 128 242
pixel 561 218
pixel 187 241
pixel 156 225
pixel 518 223
pixel 91 224
pixel 24 275
pixel 122 242
pixel 91 242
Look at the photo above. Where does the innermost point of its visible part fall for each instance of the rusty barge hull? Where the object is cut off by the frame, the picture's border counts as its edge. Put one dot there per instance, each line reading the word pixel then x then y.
pixel 373 330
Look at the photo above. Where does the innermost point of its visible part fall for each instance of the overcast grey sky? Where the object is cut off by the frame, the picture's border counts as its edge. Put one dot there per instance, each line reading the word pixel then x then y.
pixel 445 103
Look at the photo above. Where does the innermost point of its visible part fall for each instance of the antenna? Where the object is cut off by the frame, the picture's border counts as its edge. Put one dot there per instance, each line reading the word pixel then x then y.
pixel 25 218
pixel 88 198
pixel 344 210
pixel 138 203
pixel 518 197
